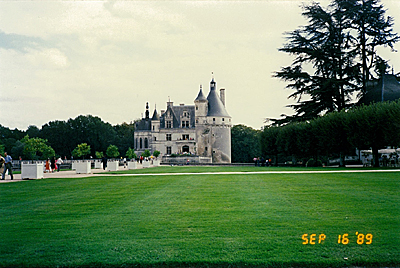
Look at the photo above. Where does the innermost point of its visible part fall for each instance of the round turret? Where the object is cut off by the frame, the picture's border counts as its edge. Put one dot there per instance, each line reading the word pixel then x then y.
pixel 201 106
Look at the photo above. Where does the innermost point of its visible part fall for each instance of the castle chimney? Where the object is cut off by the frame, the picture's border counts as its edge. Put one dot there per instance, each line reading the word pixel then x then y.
pixel 169 102
pixel 222 95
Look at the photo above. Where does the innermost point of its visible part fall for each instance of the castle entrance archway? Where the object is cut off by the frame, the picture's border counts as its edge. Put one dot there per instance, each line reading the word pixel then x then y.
pixel 185 149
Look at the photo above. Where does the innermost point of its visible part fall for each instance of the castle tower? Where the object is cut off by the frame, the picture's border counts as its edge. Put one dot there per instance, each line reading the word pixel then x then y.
pixel 213 125
pixel 219 125
pixel 201 106
pixel 201 110
pixel 155 121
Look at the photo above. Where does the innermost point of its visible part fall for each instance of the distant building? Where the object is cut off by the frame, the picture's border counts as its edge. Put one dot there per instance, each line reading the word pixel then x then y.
pixel 202 129
pixel 385 89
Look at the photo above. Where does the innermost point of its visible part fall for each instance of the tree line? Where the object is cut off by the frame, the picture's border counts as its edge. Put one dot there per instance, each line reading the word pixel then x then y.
pixel 90 136
pixel 61 138
pixel 335 134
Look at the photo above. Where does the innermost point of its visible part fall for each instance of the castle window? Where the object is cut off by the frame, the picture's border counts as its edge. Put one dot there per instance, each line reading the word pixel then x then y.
pixel 169 124
pixel 185 137
pixel 168 150
pixel 214 120
pixel 146 143
pixel 153 128
pixel 185 124
pixel 168 137
pixel 141 143
pixel 155 138
pixel 197 107
pixel 223 119
pixel 136 143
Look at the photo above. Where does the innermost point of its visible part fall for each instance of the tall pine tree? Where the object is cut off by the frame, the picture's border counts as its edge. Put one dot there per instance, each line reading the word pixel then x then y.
pixel 334 54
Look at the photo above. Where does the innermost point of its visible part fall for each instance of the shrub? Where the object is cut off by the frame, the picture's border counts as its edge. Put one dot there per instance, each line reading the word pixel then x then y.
pixel 312 163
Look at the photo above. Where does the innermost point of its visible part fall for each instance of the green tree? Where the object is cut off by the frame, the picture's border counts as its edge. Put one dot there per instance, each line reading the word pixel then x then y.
pixel 91 130
pixel 9 137
pixel 60 136
pixel 112 151
pixel 374 127
pixel 373 30
pixel 131 153
pixel 156 153
pixel 332 135
pixel 146 153
pixel 99 154
pixel 328 51
pixel 36 148
pixel 323 46
pixel 33 131
pixel 18 149
pixel 124 136
pixel 245 144
pixel 288 143
pixel 81 150
pixel 269 147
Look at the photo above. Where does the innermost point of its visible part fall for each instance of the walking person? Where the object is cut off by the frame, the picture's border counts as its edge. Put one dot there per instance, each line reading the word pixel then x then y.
pixel 53 164
pixel 104 161
pixel 7 166
pixel 59 162
pixel 1 164
pixel 47 165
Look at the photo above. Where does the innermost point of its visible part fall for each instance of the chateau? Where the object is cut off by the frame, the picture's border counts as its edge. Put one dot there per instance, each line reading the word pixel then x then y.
pixel 202 130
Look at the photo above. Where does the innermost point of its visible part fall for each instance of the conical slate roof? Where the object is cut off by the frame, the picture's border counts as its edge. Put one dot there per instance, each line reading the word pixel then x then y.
pixel 200 96
pixel 215 105
pixel 155 115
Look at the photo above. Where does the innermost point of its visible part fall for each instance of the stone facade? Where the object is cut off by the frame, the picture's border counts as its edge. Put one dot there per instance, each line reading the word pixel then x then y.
pixel 202 129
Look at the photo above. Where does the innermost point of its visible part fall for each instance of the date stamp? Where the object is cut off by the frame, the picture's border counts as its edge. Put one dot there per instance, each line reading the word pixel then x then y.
pixel 344 239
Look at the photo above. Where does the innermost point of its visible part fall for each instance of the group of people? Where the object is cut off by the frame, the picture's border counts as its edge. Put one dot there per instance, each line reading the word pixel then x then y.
pixel 262 162
pixel 53 165
pixel 6 164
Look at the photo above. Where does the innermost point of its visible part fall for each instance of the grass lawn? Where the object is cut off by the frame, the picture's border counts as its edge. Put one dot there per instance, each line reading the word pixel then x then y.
pixel 244 220
pixel 202 169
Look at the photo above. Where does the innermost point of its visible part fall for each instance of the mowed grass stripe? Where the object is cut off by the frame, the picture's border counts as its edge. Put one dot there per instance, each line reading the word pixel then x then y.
pixel 163 170
pixel 221 220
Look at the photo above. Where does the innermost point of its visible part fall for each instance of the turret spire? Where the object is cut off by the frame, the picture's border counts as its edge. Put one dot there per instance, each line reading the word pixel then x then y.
pixel 200 96
pixel 147 110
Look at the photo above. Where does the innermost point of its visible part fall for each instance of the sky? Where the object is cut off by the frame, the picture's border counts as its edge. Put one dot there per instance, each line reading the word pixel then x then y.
pixel 62 59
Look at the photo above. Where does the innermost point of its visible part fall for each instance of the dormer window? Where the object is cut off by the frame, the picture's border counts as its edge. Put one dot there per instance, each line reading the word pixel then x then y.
pixel 168 124
pixel 185 124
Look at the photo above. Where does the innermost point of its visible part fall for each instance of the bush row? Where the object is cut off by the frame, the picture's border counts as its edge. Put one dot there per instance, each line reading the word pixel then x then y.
pixel 336 134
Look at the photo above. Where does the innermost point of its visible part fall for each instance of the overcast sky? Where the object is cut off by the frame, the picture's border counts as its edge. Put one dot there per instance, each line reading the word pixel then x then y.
pixel 61 59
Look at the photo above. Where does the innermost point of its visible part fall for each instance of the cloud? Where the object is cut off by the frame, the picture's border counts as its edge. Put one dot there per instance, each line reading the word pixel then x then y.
pixel 48 58
pixel 19 42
